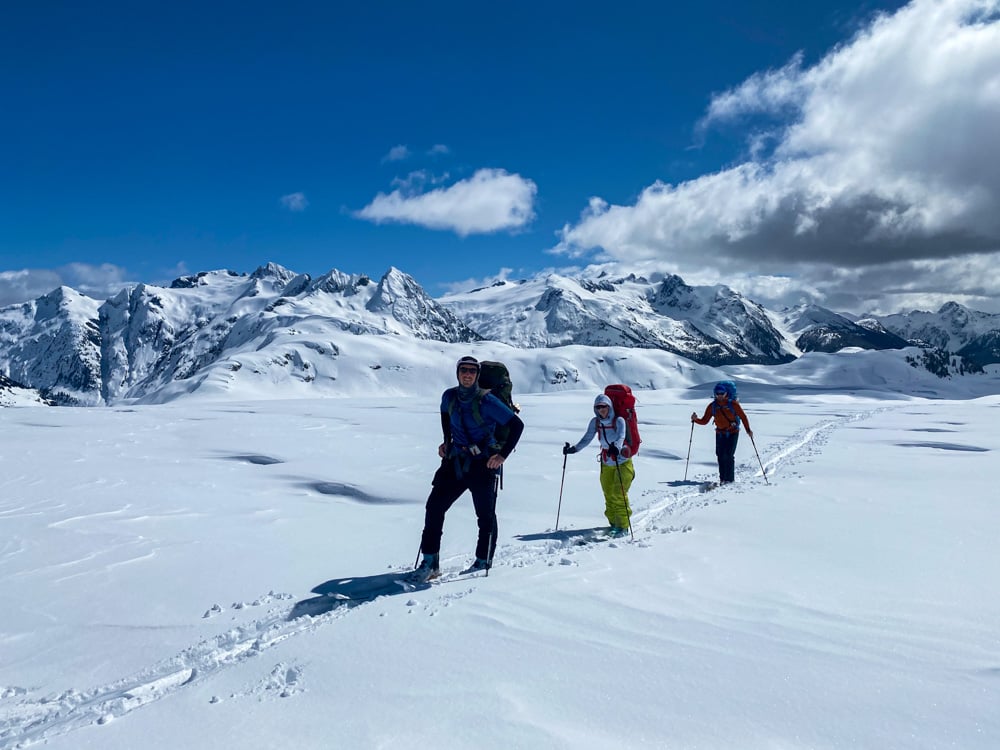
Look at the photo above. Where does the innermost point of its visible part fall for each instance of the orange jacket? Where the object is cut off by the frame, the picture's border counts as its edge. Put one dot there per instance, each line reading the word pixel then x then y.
pixel 724 421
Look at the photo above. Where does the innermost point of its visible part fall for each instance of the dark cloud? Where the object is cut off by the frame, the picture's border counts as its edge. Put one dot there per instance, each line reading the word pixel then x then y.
pixel 861 232
pixel 884 160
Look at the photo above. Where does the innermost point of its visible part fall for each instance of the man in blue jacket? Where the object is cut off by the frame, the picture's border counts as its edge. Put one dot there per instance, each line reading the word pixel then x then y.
pixel 471 459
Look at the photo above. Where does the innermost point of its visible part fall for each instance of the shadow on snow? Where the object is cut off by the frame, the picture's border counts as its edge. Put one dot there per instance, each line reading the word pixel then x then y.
pixel 563 535
pixel 350 592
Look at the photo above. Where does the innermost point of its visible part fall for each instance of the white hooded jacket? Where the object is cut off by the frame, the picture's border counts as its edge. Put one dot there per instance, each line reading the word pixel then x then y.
pixel 611 431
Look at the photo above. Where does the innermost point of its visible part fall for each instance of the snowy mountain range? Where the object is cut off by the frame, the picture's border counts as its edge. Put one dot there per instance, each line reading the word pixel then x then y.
pixel 822 330
pixel 710 325
pixel 275 328
pixel 954 328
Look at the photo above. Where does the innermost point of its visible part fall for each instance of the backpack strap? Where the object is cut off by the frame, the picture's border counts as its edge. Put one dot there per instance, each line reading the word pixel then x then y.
pixel 604 433
pixel 477 416
pixel 734 420
pixel 476 401
pixel 476 413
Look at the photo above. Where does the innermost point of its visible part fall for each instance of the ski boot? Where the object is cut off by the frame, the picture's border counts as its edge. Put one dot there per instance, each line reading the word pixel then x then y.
pixel 479 564
pixel 428 569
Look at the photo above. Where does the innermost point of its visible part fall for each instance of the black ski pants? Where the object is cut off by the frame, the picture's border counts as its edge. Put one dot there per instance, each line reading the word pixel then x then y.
pixel 450 481
pixel 725 451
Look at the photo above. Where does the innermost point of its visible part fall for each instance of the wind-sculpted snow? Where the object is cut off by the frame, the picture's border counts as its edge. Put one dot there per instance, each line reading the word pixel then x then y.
pixel 53 715
pixel 231 574
pixel 27 719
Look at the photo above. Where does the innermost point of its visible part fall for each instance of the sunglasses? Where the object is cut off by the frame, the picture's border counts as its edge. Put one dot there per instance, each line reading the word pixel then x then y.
pixel 603 407
pixel 720 393
pixel 468 370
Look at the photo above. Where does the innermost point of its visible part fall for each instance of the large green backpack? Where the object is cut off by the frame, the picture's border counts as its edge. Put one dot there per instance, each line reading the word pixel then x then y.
pixel 495 378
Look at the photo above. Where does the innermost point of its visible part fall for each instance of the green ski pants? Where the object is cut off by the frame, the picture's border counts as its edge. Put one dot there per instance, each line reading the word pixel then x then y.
pixel 615 481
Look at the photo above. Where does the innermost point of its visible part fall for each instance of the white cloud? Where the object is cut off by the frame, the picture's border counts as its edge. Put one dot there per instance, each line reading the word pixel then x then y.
pixel 473 283
pixel 97 281
pixel 438 149
pixel 396 153
pixel 490 201
pixel 883 160
pixel 26 284
pixel 773 91
pixel 295 202
pixel 416 182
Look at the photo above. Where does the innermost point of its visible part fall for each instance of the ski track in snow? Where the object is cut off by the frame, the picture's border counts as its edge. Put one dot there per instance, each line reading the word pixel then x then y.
pixel 26 721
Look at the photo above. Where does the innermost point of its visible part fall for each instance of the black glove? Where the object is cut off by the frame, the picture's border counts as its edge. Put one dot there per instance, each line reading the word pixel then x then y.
pixel 567 449
pixel 613 451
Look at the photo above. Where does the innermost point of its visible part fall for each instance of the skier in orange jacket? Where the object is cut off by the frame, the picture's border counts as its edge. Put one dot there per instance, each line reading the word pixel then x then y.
pixel 728 414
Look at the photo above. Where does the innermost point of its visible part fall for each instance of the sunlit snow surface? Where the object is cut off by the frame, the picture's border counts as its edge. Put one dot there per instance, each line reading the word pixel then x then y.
pixel 194 576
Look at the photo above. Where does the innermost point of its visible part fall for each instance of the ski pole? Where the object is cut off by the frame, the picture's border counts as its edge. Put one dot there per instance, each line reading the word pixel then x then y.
pixel 762 470
pixel 561 483
pixel 621 483
pixel 688 460
pixel 497 483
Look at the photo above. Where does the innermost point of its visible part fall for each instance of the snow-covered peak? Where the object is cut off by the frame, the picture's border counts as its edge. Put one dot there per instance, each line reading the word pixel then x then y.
pixel 52 344
pixel 399 295
pixel 338 282
pixel 203 278
pixel 274 271
pixel 65 302
pixel 806 315
pixel 395 287
pixel 674 296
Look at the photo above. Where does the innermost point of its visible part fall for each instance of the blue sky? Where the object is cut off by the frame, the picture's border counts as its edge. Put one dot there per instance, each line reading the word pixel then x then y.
pixel 464 141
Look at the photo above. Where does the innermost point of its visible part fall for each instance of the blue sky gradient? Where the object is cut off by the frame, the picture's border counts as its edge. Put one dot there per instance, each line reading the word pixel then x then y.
pixel 453 140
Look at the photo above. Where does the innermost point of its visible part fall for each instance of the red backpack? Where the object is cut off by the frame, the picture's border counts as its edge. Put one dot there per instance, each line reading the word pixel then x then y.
pixel 623 404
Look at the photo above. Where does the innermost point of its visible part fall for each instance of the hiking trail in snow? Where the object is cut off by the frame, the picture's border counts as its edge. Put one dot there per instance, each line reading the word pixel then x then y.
pixel 25 720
